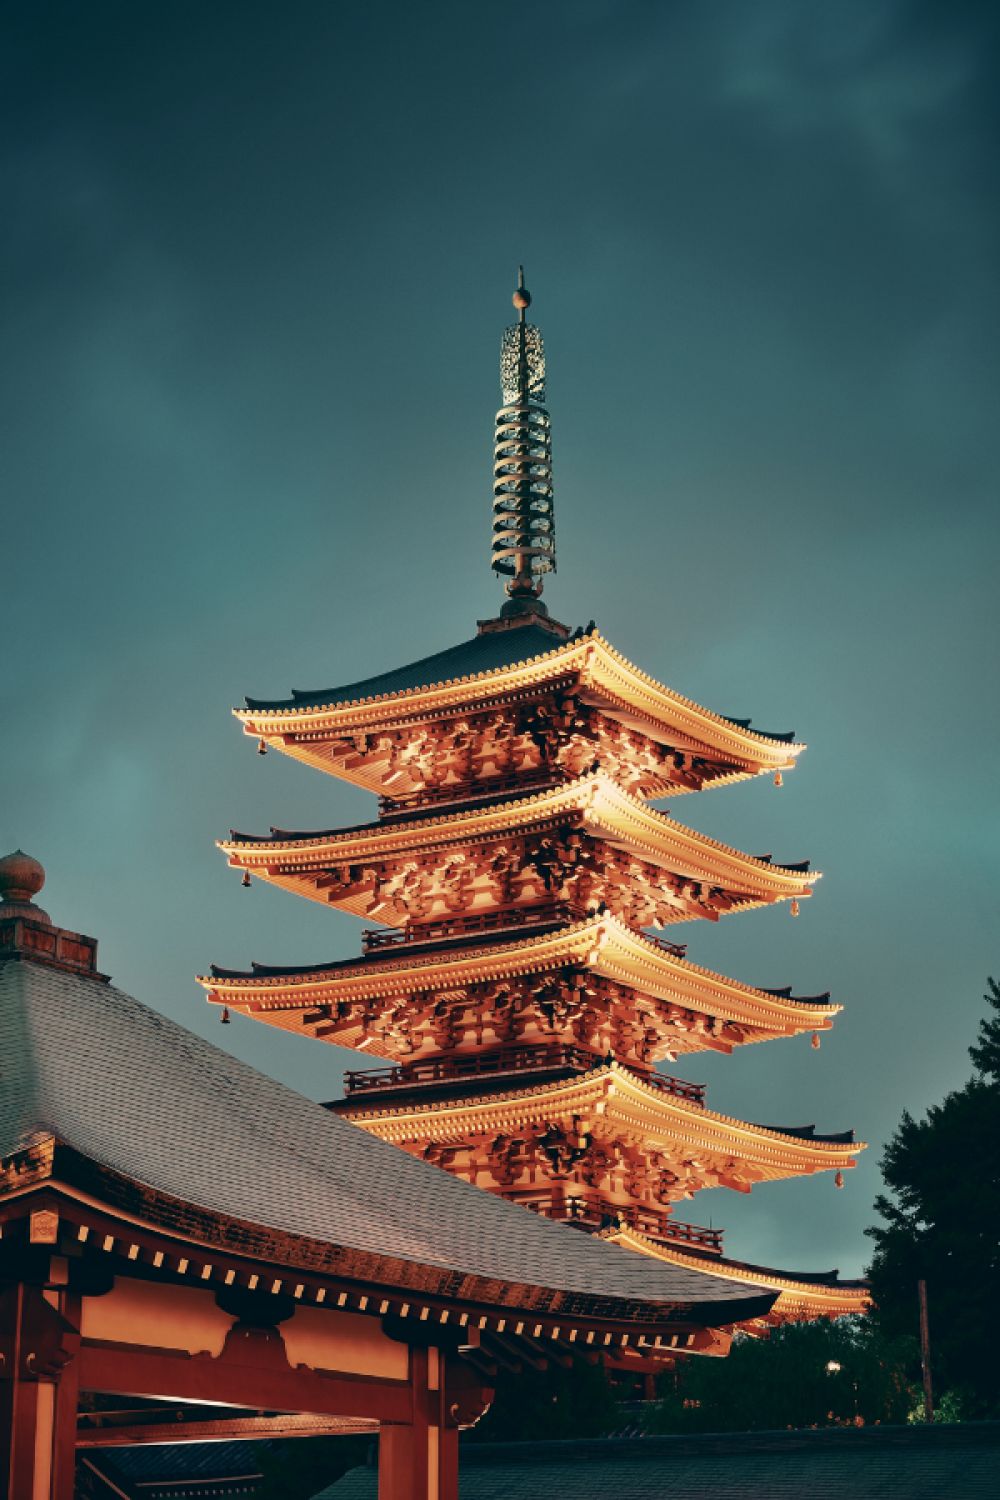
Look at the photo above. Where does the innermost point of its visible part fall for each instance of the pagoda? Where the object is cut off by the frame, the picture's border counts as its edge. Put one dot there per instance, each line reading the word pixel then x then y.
pixel 519 984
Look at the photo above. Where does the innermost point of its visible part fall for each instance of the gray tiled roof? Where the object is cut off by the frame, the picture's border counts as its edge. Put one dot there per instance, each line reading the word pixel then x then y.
pixel 165 1463
pixel 140 1095
pixel 871 1463
pixel 483 653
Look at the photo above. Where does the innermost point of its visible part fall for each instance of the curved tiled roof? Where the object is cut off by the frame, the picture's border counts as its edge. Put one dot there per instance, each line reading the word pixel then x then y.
pixel 810 1133
pixel 483 653
pixel 516 944
pixel 492 652
pixel 439 827
pixel 605 1074
pixel 141 1097
pixel 770 1275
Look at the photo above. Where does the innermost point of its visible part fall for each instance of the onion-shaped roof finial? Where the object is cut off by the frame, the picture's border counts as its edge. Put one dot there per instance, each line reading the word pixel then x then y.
pixel 21 877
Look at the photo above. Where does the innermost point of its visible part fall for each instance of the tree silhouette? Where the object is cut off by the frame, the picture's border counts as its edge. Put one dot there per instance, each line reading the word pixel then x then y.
pixel 942 1225
pixel 821 1374
pixel 986 1055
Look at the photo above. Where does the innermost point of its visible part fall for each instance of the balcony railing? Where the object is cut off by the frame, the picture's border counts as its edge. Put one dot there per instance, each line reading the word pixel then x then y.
pixel 375 938
pixel 546 1057
pixel 507 918
pixel 470 790
pixel 588 1211
pixel 678 950
pixel 694 1093
pixel 473 1065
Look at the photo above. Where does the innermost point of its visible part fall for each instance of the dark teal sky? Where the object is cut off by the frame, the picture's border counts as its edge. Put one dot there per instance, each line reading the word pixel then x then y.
pixel 254 265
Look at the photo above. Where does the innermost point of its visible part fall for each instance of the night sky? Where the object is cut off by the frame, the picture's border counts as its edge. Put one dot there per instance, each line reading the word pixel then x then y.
pixel 255 264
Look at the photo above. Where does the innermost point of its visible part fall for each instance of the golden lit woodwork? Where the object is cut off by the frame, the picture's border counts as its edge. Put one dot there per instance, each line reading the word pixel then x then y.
pixel 515 986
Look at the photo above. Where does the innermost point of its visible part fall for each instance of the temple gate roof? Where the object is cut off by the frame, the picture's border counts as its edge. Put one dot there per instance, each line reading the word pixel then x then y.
pixel 103 1094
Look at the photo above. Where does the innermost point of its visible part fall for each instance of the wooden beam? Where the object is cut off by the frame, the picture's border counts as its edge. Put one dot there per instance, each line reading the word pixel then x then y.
pixel 259 1378
pixel 38 1392
pixel 222 1430
pixel 518 1351
pixel 419 1460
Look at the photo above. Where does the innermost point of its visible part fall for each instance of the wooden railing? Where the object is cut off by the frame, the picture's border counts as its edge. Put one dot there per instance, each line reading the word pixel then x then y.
pixel 545 1057
pixel 374 938
pixel 507 918
pixel 678 950
pixel 694 1093
pixel 472 789
pixel 591 1212
pixel 472 1065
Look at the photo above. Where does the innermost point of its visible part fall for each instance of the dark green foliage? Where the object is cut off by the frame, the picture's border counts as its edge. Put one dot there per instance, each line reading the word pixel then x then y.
pixel 942 1225
pixel 783 1381
pixel 986 1054
pixel 555 1403
pixel 299 1467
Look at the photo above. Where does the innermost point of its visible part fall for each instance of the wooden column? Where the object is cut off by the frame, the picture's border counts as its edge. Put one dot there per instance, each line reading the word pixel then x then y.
pixel 38 1394
pixel 419 1460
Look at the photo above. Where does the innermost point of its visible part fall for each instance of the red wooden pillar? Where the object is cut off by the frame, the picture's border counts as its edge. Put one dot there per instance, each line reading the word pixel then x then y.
pixel 419 1461
pixel 38 1394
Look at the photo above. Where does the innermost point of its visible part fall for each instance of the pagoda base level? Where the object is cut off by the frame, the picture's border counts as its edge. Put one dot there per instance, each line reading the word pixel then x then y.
pixel 803 1296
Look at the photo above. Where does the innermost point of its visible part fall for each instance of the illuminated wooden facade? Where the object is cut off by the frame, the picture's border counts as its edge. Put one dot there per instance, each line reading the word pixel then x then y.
pixel 518 984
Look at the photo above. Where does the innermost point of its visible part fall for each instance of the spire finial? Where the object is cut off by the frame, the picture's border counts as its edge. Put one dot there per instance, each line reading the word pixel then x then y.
pixel 523 523
pixel 522 297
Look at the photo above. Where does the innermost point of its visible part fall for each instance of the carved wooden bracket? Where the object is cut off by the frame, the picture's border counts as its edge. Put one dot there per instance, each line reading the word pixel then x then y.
pixel 36 1341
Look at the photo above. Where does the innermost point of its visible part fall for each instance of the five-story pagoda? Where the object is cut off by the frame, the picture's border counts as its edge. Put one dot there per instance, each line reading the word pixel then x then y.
pixel 518 985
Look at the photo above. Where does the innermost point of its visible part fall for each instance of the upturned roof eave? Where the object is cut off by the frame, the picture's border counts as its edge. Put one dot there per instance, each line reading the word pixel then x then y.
pixel 852 1295
pixel 602 944
pixel 599 664
pixel 605 806
pixel 128 1213
pixel 606 1085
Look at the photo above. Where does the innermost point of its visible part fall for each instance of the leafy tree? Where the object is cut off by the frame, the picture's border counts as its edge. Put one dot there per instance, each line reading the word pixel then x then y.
pixel 820 1374
pixel 986 1055
pixel 942 1225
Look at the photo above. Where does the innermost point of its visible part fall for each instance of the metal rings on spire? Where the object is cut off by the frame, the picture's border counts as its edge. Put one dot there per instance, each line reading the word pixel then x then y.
pixel 523 518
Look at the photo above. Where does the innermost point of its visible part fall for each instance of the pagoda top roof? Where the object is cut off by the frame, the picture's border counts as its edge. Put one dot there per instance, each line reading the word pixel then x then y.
pixel 148 1115
pixel 490 651
pixel 529 655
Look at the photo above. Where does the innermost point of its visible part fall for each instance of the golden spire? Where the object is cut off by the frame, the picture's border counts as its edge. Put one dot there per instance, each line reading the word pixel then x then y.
pixel 524 546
